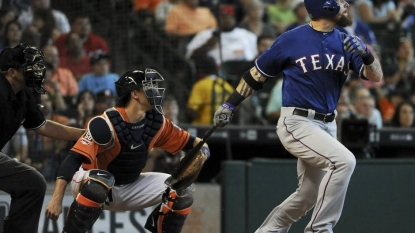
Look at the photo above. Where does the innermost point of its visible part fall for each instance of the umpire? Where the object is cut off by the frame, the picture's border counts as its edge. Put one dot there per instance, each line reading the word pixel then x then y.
pixel 22 71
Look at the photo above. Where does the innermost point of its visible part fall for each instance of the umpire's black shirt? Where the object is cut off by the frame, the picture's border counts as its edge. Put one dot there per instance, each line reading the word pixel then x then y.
pixel 15 110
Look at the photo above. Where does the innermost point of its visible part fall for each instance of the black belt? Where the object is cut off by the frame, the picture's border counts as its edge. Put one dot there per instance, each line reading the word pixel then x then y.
pixel 318 116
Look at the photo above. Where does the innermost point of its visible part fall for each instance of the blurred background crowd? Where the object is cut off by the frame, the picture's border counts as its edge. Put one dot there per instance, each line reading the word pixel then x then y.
pixel 202 48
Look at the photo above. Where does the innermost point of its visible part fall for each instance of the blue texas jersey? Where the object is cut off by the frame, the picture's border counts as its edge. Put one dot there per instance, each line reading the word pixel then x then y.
pixel 314 67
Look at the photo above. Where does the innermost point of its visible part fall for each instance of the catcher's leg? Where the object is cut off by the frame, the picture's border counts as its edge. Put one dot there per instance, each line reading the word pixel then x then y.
pixel 88 205
pixel 171 214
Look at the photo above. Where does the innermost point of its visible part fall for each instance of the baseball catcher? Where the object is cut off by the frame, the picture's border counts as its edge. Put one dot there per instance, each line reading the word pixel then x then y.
pixel 104 167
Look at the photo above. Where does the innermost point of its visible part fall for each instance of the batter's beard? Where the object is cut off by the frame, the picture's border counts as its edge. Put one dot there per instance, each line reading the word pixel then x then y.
pixel 344 21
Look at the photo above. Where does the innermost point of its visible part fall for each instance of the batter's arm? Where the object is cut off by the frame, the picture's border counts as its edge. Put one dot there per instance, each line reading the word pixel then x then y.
pixel 373 72
pixel 251 82
pixel 244 88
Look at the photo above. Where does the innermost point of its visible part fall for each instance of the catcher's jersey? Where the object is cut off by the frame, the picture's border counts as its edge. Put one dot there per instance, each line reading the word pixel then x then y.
pixel 314 66
pixel 169 137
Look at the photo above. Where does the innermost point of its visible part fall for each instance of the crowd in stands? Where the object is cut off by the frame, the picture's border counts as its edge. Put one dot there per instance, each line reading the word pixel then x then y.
pixel 202 47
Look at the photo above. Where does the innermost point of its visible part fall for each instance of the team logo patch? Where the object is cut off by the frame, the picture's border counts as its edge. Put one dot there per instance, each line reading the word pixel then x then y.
pixel 87 136
pixel 85 142
pixel 86 139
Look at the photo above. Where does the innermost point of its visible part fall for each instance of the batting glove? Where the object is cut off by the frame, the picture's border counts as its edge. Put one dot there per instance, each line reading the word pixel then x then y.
pixel 223 115
pixel 353 44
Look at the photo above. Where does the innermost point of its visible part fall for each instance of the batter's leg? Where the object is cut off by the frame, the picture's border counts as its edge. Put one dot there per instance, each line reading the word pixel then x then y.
pixel 298 203
pixel 27 188
pixel 313 143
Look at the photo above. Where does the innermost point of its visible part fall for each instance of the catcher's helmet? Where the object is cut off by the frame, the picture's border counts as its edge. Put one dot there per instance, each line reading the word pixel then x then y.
pixel 322 8
pixel 147 80
pixel 27 59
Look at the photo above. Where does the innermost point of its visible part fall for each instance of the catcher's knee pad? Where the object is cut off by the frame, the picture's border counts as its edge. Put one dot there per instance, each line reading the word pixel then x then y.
pixel 87 206
pixel 170 215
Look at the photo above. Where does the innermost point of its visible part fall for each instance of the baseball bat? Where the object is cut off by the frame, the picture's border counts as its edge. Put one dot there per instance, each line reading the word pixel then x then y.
pixel 188 158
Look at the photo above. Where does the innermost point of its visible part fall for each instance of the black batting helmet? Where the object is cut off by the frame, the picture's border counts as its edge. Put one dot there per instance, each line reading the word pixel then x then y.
pixel 27 59
pixel 146 80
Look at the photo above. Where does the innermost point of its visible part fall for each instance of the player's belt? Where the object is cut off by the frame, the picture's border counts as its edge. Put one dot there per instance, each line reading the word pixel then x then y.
pixel 318 116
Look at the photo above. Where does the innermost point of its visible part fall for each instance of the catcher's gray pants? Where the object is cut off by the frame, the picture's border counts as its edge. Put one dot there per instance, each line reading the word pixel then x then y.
pixel 27 188
pixel 324 168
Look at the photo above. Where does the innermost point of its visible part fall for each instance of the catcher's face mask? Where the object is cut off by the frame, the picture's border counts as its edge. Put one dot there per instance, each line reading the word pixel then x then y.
pixel 155 95
pixel 34 68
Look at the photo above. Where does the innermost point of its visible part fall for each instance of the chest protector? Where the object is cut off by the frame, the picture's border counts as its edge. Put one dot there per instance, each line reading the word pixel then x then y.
pixel 134 140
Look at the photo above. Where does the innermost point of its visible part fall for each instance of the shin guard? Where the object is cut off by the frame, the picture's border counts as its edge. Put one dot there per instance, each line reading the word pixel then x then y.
pixel 81 218
pixel 170 215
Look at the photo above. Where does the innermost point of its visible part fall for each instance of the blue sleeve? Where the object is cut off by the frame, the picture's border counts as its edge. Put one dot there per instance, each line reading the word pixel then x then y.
pixel 356 64
pixel 270 62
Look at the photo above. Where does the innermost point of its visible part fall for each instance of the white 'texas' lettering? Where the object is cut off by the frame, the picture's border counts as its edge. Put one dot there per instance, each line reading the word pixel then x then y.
pixel 330 60
pixel 333 62
pixel 315 60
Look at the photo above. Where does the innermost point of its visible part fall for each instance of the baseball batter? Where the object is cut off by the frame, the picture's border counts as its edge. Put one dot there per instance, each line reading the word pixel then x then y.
pixel 315 59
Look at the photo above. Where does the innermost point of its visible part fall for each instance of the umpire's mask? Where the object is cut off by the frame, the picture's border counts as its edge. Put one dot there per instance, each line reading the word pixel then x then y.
pixel 149 82
pixel 34 68
pixel 27 59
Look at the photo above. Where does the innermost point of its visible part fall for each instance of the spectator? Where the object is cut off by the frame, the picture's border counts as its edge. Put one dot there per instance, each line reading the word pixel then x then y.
pixel 301 16
pixel 388 103
pixel 377 11
pixel 7 14
pixel 263 43
pixel 53 88
pixel 85 108
pixel 234 43
pixel 104 100
pixel 188 18
pixel 60 18
pixel 162 11
pixel 13 35
pixel 100 78
pixel 31 36
pixel 44 22
pixel 91 43
pixel 206 94
pixel 364 106
pixel 280 15
pixel 76 60
pixel 402 76
pixel 68 86
pixel 404 116
pixel 253 21
pixel 403 119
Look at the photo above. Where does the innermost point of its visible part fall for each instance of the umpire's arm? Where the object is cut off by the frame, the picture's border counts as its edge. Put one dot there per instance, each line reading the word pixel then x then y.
pixel 55 130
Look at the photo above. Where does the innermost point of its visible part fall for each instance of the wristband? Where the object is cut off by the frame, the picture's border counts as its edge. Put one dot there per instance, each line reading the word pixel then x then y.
pixel 206 151
pixel 368 59
pixel 235 99
pixel 228 106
